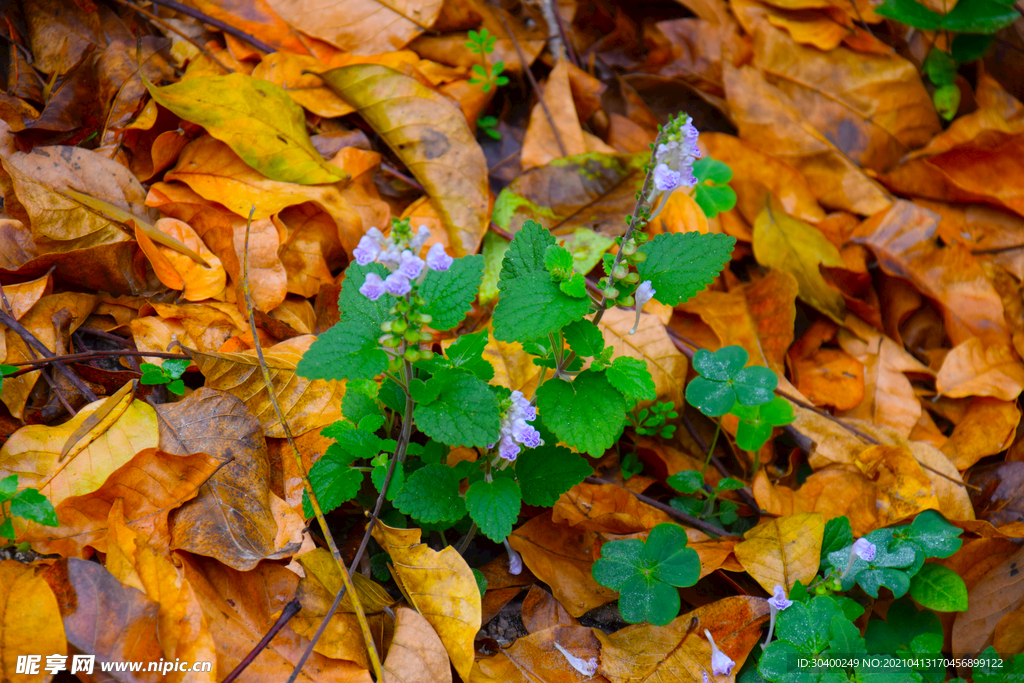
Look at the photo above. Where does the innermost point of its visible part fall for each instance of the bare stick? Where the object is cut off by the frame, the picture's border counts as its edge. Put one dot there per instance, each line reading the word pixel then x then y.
pixel 157 20
pixel 31 340
pixel 667 509
pixel 289 611
pixel 216 23
pixel 314 502
pixel 533 84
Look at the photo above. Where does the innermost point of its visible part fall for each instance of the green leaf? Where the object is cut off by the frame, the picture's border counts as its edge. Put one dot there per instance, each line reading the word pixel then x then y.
pixel 777 412
pixel 176 387
pixel 464 414
pixel 631 377
pixel 349 350
pixel 8 486
pixel 32 505
pixel 587 413
pixel 481 581
pixel 7 528
pixel 576 286
pixel 838 535
pixel 939 588
pixel 940 68
pixel 729 484
pixel 978 16
pixel 154 377
pixel 467 353
pixel 558 261
pixel 431 494
pixel 721 365
pixel 618 562
pixel 674 563
pixel 750 436
pixel 494 506
pixel 548 471
pixel 947 101
pixel 379 566
pixel 711 192
pixel 334 480
pixel 970 48
pixel 175 367
pixel 910 13
pixel 710 397
pixel 686 481
pixel 258 120
pixel 755 385
pixel 380 473
pixel 449 294
pixel 936 536
pixel 679 265
pixel 845 637
pixel 584 338
pixel 530 304
pixel 423 394
pixel 355 406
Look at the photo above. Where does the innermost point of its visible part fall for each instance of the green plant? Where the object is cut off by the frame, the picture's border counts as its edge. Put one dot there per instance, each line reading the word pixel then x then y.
pixel 651 421
pixel 646 573
pixel 27 503
pixel 700 498
pixel 482 43
pixel 168 373
pixel 4 371
pixel 973 21
pixel 487 125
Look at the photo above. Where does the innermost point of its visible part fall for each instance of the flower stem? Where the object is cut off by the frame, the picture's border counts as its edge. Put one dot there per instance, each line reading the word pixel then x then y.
pixel 711 448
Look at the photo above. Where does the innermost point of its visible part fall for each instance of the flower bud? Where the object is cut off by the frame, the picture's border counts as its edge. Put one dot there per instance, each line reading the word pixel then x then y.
pixel 611 292
pixel 426 354
pixel 638 257
pixel 399 326
pixel 620 271
pixel 386 326
pixel 425 318
pixel 395 364
pixel 411 355
pixel 412 336
pixel 390 342
pixel 426 337
pixel 629 248
pixel 631 279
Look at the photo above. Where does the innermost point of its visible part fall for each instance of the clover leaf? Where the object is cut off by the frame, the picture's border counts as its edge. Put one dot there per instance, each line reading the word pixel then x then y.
pixel 645 573
pixel 712 193
pixel 723 381
pixel 756 423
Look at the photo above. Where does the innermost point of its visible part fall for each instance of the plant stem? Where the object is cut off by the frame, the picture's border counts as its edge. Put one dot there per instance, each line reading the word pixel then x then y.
pixel 695 522
pixel 711 448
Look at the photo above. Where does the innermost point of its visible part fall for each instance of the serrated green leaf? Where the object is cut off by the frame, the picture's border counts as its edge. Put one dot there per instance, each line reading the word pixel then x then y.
pixel 632 378
pixel 175 367
pixel 494 506
pixel 355 406
pixel 256 119
pixel 584 338
pixel 910 13
pixel 686 481
pixel 587 413
pixel 548 471
pixel 467 353
pixel 422 393
pixel 334 481
pixel 729 484
pixel 449 294
pixel 558 261
pixel 465 412
pixel 31 505
pixel 679 265
pixel 380 473
pixel 431 494
pixel 530 304
pixel 176 387
pixel 939 588
pixel 845 636
pixel 576 286
pixel 838 535
pixel 154 377
pixel 371 422
pixel 349 350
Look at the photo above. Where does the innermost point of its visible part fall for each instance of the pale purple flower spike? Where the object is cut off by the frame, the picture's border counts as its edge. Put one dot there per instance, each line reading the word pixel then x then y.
pixel 373 287
pixel 515 429
pixel 644 293
pixel 721 665
pixel 515 562
pixel 367 251
pixel 864 549
pixel 779 600
pixel 397 284
pixel 665 179
pixel 437 259
pixel 410 266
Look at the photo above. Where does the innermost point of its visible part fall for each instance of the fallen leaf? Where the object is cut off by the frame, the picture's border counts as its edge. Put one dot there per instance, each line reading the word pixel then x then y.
pixel 306 404
pixel 181 272
pixel 605 508
pixel 513 367
pixel 826 376
pixel 903 487
pixel 974 368
pixel 361 26
pixel 783 551
pixel 998 594
pixel 31 619
pixel 536 657
pixel 833 491
pixel 987 428
pixel 562 560
pixel 433 140
pixel 541 611
pixel 651 344
pixel 440 586
pixel 417 655
pixel 289 71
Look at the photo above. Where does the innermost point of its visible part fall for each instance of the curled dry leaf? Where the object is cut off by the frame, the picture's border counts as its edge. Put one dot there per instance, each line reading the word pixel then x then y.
pixel 541 656
pixel 417 655
pixel 783 551
pixel 829 376
pixel 974 368
pixel 605 508
pixel 432 138
pixel 181 272
pixel 650 344
pixel 833 491
pixel 31 619
pixel 361 26
pixel 440 585
pixel 987 428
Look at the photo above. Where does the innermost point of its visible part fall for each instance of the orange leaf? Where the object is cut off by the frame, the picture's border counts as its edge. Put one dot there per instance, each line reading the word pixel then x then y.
pixel 31 619
pixel 605 508
pixel 181 272
pixel 987 428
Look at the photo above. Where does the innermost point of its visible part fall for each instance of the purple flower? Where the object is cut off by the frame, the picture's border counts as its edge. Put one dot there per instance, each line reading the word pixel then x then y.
pixel 390 257
pixel 373 288
pixel 515 430
pixel 525 434
pixel 397 284
pixel 508 448
pixel 705 675
pixel 437 259
pixel 779 601
pixel 644 293
pixel 515 562
pixel 864 549
pixel 721 665
pixel 410 266
pixel 367 250
pixel 690 134
pixel 421 237
pixel 665 179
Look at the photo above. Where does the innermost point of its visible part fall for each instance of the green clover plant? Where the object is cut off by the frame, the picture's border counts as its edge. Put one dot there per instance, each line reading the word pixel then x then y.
pixel 488 124
pixel 482 43
pixel 973 22
pixel 168 373
pixel 646 573
pixel 27 503
pixel 700 498
pixel 413 409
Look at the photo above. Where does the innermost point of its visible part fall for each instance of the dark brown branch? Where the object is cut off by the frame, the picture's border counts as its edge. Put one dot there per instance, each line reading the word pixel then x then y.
pixel 40 348
pixel 216 23
pixel 289 611
pixel 695 522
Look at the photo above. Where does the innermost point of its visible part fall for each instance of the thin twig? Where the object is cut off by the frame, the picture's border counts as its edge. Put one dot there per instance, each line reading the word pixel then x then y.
pixel 391 170
pixel 216 23
pixel 112 338
pixel 289 611
pixel 998 250
pixel 564 32
pixel 314 502
pixel 157 20
pixel 400 452
pixel 32 341
pixel 93 355
pixel 695 522
pixel 469 537
pixel 748 498
pixel 533 84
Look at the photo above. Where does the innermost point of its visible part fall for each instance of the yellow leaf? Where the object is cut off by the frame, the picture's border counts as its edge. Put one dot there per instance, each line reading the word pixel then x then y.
pixel 30 621
pixel 650 344
pixel 306 404
pixel 783 242
pixel 290 71
pixel 441 587
pixel 782 551
pixel 513 367
pixel 100 420
pixel 417 655
pixel 431 136
pixel 903 487
pixel 33 452
pixel 257 119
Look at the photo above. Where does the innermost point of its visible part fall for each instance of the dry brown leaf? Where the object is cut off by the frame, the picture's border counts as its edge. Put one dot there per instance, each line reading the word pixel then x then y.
pixel 974 368
pixel 177 271
pixel 605 508
pixel 417 655
pixel 535 657
pixel 829 376
pixel 998 594
pixel 440 586
pixel 987 428
pixel 361 26
pixel 31 619
pixel 783 551
pixel 832 491
pixel 651 344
